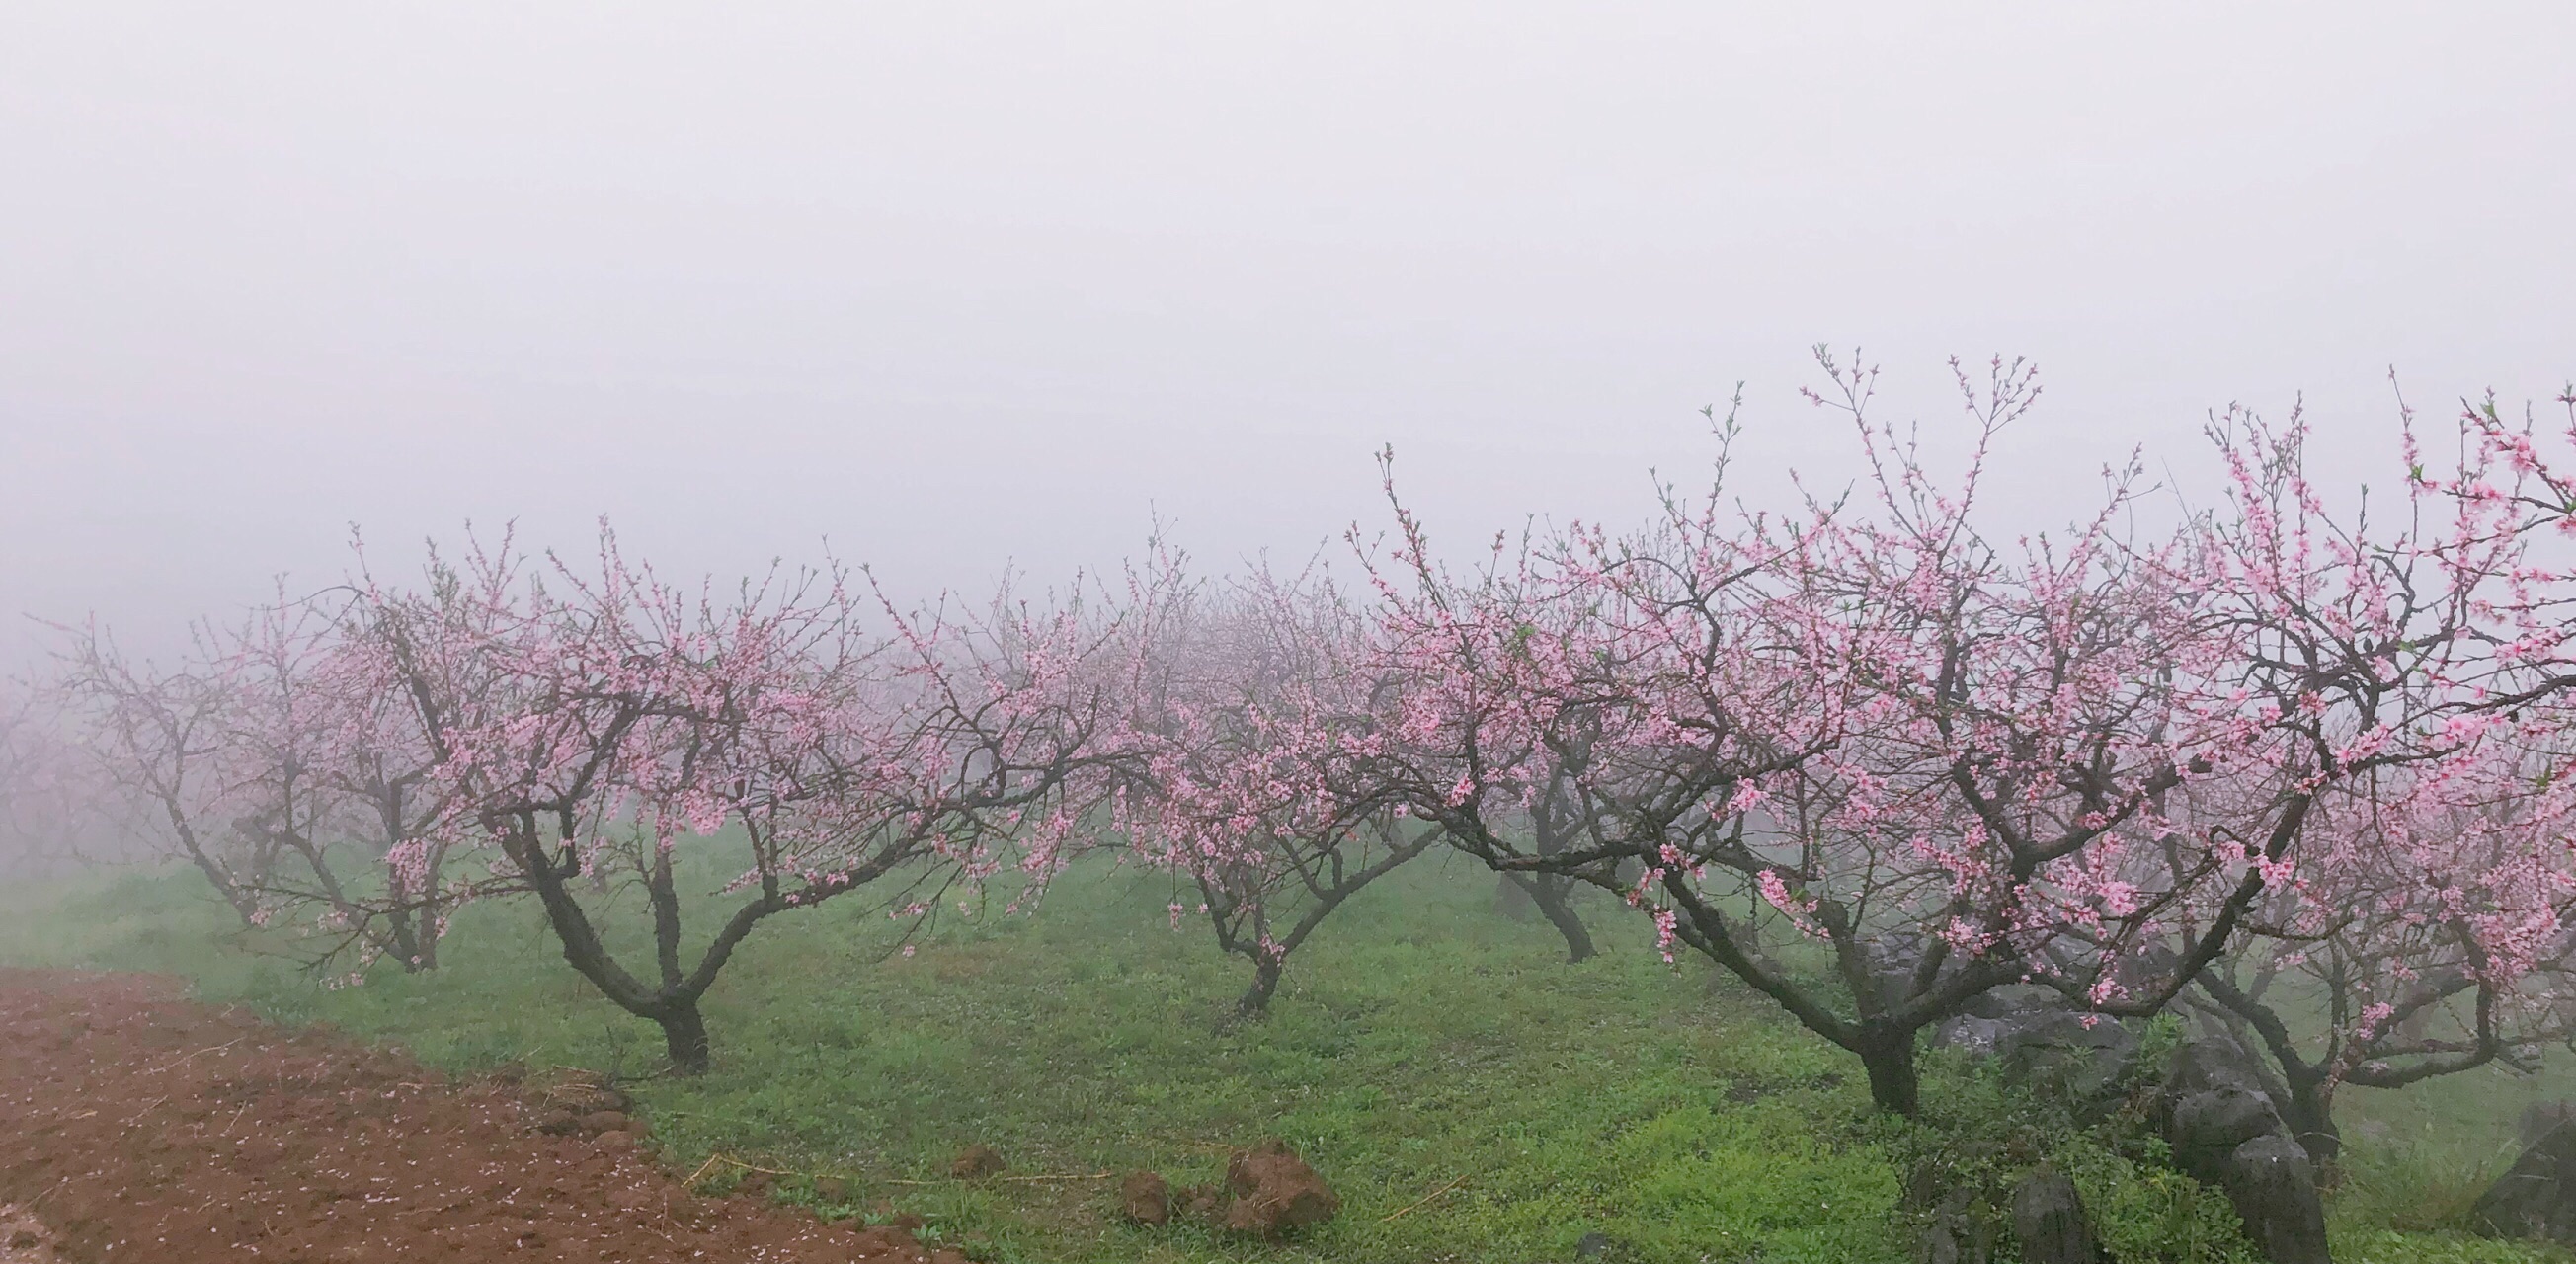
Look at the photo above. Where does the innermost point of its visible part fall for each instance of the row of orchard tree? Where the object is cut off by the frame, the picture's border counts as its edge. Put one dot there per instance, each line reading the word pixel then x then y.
pixel 2300 770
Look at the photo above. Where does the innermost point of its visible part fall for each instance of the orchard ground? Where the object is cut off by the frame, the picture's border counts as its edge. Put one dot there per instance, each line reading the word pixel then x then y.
pixel 1470 1095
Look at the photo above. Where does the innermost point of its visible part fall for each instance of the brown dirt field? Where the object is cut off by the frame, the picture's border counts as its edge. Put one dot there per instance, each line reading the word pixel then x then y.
pixel 24 1239
pixel 137 1125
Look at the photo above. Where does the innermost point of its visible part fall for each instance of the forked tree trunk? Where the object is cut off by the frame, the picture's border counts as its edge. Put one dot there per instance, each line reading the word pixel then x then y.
pixel 684 1032
pixel 1553 894
pixel 235 893
pixel 1555 897
pixel 1894 1084
pixel 1517 895
pixel 673 1007
pixel 243 906
pixel 406 950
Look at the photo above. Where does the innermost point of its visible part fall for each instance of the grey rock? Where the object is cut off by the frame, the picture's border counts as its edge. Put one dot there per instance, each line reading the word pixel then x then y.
pixel 2049 1221
pixel 2274 1188
pixel 2205 1127
pixel 1971 1034
pixel 2211 1061
pixel 2542 1118
pixel 2084 1054
pixel 1955 1240
pixel 2010 999
pixel 2536 1197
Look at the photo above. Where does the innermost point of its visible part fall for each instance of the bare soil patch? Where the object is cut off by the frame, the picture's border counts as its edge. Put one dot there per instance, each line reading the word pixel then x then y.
pixel 24 1239
pixel 137 1125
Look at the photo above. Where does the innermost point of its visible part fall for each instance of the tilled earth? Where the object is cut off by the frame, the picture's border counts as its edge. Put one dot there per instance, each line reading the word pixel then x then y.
pixel 137 1125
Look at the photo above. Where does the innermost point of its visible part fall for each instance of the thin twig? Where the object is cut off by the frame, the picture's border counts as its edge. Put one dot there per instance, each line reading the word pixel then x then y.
pixel 1453 1184
pixel 208 1049
pixel 714 1159
pixel 137 1117
pixel 1016 1180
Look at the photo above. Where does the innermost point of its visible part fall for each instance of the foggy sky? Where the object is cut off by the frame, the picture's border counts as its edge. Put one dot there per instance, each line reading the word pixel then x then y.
pixel 956 285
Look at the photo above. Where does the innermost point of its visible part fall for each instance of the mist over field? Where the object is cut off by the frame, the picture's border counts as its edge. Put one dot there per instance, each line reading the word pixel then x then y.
pixel 1027 634
pixel 961 286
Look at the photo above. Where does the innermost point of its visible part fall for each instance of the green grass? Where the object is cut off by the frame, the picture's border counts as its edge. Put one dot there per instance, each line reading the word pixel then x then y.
pixel 1470 1095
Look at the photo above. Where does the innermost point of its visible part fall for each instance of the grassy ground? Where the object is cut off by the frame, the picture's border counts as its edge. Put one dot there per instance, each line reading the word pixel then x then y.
pixel 1472 1096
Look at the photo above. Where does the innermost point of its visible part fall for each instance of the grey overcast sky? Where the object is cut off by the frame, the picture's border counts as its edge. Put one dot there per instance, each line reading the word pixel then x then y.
pixel 955 284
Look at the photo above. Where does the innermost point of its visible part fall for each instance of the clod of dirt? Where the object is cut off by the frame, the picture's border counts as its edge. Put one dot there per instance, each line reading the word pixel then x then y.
pixel 561 1121
pixel 892 1242
pixel 831 1189
pixel 1200 1202
pixel 583 1092
pixel 1145 1198
pixel 1274 1191
pixel 975 1162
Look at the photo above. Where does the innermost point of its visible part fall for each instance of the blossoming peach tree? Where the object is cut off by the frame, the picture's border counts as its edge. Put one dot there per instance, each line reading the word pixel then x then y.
pixel 1262 732
pixel 1949 763
pixel 630 712
pixel 2423 666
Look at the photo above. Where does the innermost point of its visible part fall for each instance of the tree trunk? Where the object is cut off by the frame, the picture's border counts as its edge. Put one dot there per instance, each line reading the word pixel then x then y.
pixel 2309 1112
pixel 675 1010
pixel 1894 1086
pixel 243 906
pixel 1520 894
pixel 399 933
pixel 1265 982
pixel 684 1031
pixel 1555 898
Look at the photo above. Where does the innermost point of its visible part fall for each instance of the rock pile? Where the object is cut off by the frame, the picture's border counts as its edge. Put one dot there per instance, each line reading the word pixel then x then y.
pixel 1268 1191
pixel 2226 1131
pixel 2222 1126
